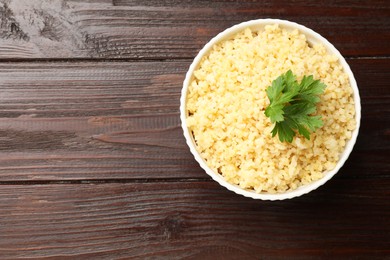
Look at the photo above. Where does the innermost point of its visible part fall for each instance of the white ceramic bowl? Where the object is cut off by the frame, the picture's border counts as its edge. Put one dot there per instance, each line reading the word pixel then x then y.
pixel 312 37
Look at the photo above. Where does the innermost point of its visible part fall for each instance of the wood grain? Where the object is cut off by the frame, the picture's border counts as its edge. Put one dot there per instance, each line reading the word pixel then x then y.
pixel 193 220
pixel 120 120
pixel 93 164
pixel 92 121
pixel 125 29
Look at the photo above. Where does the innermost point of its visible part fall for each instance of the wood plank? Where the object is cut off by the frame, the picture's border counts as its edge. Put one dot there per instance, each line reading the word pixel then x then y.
pixel 175 29
pixel 194 220
pixel 119 120
pixel 92 120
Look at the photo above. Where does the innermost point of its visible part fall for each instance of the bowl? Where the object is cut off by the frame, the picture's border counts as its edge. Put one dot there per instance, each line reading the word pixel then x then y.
pixel 313 38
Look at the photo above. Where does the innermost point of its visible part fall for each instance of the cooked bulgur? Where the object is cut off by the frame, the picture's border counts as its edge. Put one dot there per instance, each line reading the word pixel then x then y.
pixel 226 102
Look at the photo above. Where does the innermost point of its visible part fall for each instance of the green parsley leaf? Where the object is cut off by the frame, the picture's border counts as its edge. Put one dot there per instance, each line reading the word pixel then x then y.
pixel 291 106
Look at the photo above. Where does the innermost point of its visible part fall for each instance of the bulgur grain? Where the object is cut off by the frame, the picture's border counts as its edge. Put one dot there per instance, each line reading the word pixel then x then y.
pixel 226 102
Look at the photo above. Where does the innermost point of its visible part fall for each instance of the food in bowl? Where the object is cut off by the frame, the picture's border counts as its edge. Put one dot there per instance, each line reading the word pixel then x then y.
pixel 226 99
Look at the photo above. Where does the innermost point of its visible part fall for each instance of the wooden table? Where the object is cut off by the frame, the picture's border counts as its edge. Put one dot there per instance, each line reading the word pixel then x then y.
pixel 93 163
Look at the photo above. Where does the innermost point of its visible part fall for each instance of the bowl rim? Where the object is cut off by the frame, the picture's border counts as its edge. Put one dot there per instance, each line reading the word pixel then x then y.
pixel 310 34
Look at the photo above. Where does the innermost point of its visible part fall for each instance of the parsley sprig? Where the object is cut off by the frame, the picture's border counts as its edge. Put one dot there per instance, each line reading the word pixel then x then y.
pixel 291 106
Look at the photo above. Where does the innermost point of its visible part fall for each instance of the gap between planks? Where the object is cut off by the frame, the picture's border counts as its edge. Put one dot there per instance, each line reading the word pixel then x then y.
pixel 104 181
pixel 134 60
pixel 141 180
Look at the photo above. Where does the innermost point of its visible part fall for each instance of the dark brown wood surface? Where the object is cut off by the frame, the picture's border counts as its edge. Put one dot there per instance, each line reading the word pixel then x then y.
pixel 156 29
pixel 192 219
pixel 93 164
